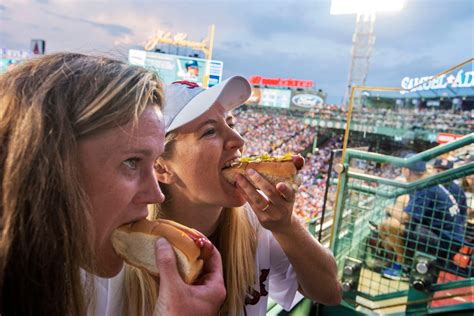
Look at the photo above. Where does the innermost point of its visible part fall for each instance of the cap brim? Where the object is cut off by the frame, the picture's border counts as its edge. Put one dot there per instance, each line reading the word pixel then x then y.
pixel 230 93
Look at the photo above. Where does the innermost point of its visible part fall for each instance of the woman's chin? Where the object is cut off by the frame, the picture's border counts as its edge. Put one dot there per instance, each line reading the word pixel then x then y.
pixel 109 265
pixel 237 200
pixel 235 197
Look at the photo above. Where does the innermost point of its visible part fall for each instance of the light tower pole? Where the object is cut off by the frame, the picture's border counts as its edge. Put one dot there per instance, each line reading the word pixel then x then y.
pixel 363 38
pixel 362 44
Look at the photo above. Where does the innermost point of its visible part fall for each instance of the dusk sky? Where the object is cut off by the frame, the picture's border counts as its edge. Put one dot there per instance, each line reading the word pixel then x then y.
pixel 287 39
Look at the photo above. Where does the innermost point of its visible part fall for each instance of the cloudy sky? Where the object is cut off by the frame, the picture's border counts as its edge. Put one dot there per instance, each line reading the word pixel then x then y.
pixel 271 38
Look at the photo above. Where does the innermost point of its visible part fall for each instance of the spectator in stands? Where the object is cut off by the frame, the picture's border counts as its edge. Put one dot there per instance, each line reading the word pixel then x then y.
pixel 468 187
pixel 265 250
pixel 427 223
pixel 79 137
pixel 456 195
pixel 463 257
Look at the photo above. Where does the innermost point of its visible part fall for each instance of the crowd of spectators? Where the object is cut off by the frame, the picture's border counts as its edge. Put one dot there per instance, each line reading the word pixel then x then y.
pixel 310 197
pixel 273 133
pixel 422 119
pixel 278 134
pixel 283 131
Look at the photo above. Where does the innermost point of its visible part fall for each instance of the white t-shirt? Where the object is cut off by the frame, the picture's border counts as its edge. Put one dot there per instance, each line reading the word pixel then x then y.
pixel 275 278
pixel 108 296
pixel 275 275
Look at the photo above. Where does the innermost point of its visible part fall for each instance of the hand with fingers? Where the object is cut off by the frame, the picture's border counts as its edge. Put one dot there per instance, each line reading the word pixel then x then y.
pixel 310 260
pixel 274 208
pixel 204 297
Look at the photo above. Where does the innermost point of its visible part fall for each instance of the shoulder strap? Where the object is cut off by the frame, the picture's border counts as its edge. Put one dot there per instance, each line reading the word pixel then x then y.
pixel 454 209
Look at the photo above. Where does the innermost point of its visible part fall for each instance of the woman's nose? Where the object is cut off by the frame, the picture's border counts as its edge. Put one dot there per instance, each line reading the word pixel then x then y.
pixel 234 140
pixel 150 192
pixel 156 195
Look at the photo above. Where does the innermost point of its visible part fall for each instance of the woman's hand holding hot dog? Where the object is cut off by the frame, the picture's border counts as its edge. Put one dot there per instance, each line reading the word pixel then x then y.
pixel 273 211
pixel 204 297
pixel 276 215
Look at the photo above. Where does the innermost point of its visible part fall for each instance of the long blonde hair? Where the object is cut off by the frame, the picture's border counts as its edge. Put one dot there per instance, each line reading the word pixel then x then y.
pixel 47 105
pixel 236 240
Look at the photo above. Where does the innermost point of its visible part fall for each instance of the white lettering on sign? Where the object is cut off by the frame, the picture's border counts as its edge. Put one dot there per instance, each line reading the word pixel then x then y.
pixel 462 79
pixel 15 54
pixel 306 100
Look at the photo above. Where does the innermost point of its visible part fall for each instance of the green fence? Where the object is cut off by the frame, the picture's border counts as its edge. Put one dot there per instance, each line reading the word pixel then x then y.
pixel 396 256
pixel 392 264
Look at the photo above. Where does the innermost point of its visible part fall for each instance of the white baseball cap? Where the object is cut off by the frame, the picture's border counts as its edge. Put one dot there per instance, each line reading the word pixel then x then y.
pixel 185 101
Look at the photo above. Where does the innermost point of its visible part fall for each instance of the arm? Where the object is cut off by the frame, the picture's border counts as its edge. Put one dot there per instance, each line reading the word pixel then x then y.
pixel 416 206
pixel 314 265
pixel 396 211
pixel 399 215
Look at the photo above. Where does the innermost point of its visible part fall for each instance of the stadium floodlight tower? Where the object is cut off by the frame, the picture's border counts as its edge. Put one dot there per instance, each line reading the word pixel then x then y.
pixel 363 39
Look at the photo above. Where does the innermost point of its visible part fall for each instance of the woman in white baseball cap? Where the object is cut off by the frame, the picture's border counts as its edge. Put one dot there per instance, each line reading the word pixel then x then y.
pixel 265 250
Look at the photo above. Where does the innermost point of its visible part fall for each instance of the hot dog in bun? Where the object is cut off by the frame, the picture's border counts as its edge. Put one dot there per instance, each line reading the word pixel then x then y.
pixel 135 243
pixel 273 168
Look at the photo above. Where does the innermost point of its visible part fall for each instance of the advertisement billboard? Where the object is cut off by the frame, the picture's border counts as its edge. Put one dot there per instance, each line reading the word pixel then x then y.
pixel 7 64
pixel 38 46
pixel 276 98
pixel 11 57
pixel 302 100
pixel 172 68
pixel 444 138
pixel 306 100
pixel 460 82
pixel 280 82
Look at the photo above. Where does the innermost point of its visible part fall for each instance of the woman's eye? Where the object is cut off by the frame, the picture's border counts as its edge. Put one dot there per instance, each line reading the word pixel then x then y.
pixel 131 163
pixel 231 125
pixel 210 131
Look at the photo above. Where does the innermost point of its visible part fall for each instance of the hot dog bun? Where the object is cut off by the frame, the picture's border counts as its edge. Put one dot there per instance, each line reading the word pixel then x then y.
pixel 273 168
pixel 135 243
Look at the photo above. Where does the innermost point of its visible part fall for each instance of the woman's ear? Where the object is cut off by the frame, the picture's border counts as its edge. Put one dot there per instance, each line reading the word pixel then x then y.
pixel 164 174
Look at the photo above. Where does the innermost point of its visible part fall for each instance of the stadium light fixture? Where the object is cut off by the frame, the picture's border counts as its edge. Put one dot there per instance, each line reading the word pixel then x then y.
pixel 339 7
